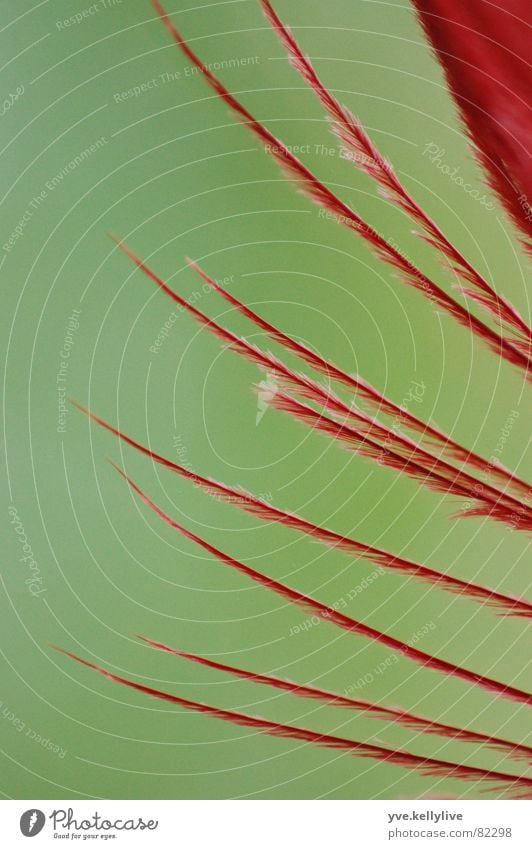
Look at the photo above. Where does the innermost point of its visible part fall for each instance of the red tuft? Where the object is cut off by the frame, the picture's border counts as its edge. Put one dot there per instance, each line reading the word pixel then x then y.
pixel 484 50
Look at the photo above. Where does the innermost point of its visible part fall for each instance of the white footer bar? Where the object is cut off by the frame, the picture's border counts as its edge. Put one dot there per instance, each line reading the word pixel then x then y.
pixel 267 824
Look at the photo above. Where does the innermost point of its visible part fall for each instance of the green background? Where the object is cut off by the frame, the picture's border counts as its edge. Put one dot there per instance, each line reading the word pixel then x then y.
pixel 178 176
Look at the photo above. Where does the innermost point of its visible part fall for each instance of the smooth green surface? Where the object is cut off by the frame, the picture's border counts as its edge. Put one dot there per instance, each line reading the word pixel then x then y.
pixel 176 175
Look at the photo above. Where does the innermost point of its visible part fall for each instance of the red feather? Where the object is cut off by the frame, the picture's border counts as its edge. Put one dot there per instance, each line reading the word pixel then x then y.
pixel 484 49
pixel 429 468
pixel 426 766
pixel 361 388
pixel 339 619
pixel 507 605
pixel 366 156
pixel 320 194
pixel 394 714
pixel 461 484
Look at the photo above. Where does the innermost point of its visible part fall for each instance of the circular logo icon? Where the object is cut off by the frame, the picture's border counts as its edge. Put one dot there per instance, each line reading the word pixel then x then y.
pixel 32 822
